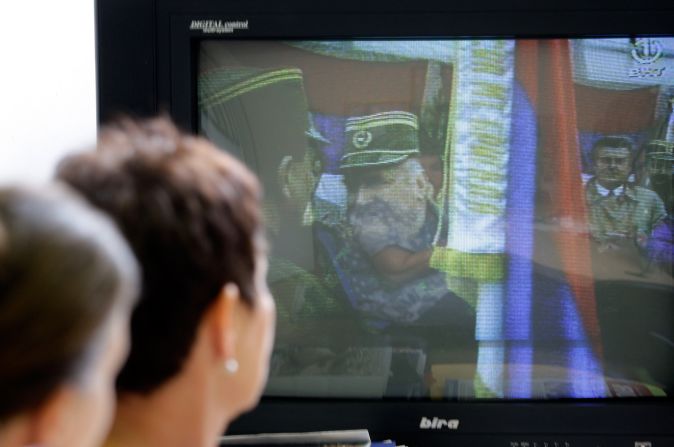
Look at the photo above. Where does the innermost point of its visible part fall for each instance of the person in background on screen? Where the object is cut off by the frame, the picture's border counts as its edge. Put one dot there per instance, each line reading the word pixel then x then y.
pixel 203 330
pixel 433 165
pixel 68 282
pixel 432 142
pixel 263 115
pixel 299 287
pixel 621 214
pixel 660 169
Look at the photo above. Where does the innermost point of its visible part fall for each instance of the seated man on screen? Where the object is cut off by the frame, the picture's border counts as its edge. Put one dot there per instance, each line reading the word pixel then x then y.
pixel 392 222
pixel 622 215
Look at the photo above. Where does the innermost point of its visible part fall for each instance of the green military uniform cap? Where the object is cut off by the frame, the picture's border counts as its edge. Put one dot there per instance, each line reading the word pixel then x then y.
pixel 381 139
pixel 260 111
pixel 258 92
pixel 222 85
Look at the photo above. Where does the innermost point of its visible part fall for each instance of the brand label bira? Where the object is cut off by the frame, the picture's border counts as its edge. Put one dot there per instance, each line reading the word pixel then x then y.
pixel 438 423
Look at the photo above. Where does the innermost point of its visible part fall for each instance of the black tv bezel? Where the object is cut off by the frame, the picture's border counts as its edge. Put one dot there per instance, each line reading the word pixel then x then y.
pixel 146 57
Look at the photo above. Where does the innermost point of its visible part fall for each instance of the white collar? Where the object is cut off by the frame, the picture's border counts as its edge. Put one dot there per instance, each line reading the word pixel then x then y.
pixel 604 192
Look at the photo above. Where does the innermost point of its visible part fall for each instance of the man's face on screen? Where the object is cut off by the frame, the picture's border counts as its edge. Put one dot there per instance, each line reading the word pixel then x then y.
pixel 405 188
pixel 612 165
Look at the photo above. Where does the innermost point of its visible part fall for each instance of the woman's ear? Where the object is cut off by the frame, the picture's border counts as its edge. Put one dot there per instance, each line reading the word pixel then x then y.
pixel 284 175
pixel 223 322
pixel 48 423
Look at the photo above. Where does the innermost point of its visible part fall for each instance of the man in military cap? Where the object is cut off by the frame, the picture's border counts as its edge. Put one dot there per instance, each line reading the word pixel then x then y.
pixel 622 215
pixel 263 113
pixel 393 224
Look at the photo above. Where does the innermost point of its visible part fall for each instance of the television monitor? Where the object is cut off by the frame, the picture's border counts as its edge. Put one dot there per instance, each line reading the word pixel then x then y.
pixel 469 206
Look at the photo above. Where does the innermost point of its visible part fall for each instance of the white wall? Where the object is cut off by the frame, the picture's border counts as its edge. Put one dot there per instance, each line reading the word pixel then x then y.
pixel 47 85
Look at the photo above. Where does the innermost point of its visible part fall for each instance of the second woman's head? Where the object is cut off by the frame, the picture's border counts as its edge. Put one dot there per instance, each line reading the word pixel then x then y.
pixel 67 285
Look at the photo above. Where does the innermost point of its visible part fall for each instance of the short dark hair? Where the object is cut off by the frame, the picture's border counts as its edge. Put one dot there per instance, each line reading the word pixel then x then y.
pixel 63 269
pixel 192 216
pixel 611 141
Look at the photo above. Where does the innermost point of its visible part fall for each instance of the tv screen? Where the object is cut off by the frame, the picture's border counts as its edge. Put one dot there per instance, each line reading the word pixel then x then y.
pixel 456 220
pixel 468 204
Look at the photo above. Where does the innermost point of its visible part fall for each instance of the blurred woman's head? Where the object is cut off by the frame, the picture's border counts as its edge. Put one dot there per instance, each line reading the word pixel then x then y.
pixel 67 285
pixel 192 216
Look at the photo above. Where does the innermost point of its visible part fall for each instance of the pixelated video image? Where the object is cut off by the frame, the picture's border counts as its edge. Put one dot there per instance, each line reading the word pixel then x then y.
pixel 459 219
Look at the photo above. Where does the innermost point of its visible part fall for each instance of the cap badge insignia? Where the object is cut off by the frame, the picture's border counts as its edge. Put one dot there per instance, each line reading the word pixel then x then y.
pixel 362 139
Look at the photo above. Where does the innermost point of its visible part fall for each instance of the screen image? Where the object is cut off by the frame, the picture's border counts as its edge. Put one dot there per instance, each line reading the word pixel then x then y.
pixel 459 219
